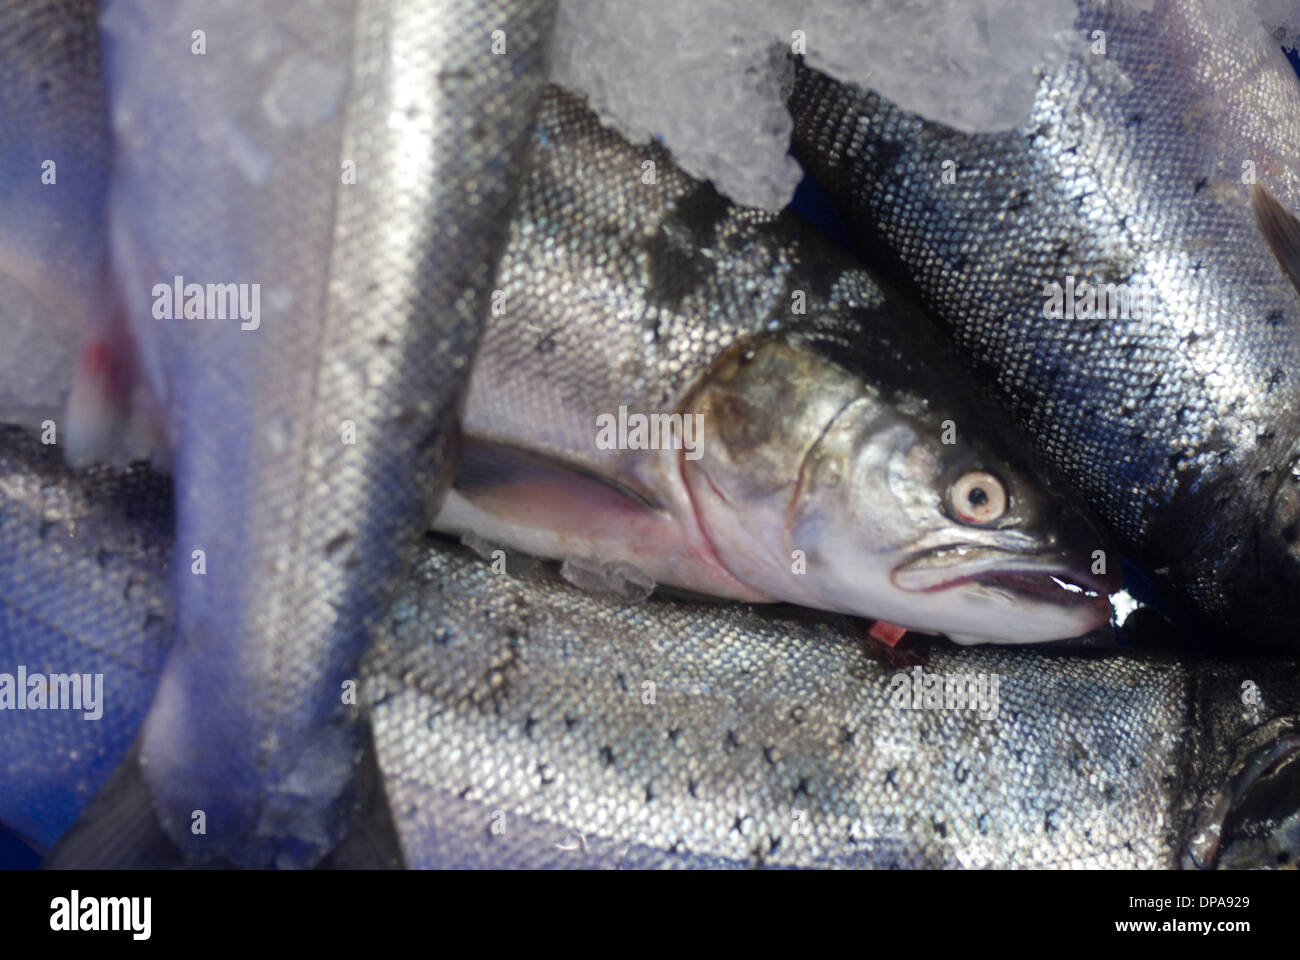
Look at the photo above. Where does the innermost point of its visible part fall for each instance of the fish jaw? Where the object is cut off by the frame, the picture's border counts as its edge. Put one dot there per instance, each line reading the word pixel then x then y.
pixel 1012 591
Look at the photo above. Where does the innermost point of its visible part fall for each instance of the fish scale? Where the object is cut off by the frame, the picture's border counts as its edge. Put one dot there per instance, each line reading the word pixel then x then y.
pixel 53 178
pixel 514 727
pixel 83 589
pixel 1179 427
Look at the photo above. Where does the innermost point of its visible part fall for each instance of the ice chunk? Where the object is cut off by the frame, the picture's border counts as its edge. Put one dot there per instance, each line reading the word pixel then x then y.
pixel 40 352
pixel 621 580
pixel 699 74
pixel 707 75
pixel 506 561
pixel 1282 18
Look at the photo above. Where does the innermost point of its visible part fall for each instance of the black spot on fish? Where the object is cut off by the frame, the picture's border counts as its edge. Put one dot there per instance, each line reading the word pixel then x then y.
pixel 569 723
pixel 767 755
pixel 1135 119
pixel 701 212
pixel 801 788
pixel 940 827
pixel 731 743
pixel 1201 184
pixel 739 823
pixel 649 794
pixel 529 724
pixel 1018 202
pixel 544 775
pixel 890 774
pixel 607 756
pixel 622 681
pixel 1275 318
pixel 846 735
pixel 691 786
pixel 674 733
pixel 674 272
pixel 887 153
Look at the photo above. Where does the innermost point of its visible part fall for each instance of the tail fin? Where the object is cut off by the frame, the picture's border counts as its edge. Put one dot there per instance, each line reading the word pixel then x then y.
pixel 118 830
pixel 121 830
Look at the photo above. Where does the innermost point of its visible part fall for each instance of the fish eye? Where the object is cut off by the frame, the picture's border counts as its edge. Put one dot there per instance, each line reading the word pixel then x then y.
pixel 978 497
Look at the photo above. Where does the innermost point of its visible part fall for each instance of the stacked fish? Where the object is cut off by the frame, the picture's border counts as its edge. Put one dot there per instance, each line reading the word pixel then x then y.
pixel 680 499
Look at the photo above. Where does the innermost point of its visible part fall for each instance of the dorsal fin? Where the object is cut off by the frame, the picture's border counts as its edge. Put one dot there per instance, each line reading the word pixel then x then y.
pixel 1281 231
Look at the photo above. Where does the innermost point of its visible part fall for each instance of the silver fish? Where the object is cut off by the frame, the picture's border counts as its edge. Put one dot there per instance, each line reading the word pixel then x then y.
pixel 522 722
pixel 789 466
pixel 306 203
pixel 83 591
pixel 1154 176
pixel 53 182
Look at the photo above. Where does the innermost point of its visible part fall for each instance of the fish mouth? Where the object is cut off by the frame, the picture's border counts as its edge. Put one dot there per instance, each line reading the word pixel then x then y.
pixel 1046 578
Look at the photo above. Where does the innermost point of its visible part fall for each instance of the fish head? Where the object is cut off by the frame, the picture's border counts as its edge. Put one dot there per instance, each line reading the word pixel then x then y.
pixel 875 503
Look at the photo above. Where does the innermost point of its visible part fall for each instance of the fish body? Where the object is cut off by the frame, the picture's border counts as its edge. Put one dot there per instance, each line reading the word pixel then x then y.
pixel 803 435
pixel 522 722
pixel 53 184
pixel 1151 176
pixel 306 202
pixel 83 592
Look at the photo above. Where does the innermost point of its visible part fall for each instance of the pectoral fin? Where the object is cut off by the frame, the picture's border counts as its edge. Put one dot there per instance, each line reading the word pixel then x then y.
pixel 565 511
pixel 511 480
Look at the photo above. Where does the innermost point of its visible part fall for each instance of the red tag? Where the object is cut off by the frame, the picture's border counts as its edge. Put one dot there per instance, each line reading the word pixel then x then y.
pixel 887 632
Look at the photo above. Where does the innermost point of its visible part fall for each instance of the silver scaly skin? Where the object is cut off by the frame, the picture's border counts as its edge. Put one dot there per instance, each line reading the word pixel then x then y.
pixel 1179 426
pixel 53 180
pixel 522 722
pixel 514 725
pixel 356 160
pixel 83 589
pixel 838 448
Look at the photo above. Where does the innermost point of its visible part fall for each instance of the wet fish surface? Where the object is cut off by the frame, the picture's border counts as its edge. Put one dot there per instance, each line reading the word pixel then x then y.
pixel 805 414
pixel 83 590
pixel 1177 417
pixel 521 721
pixel 53 183
pixel 341 173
